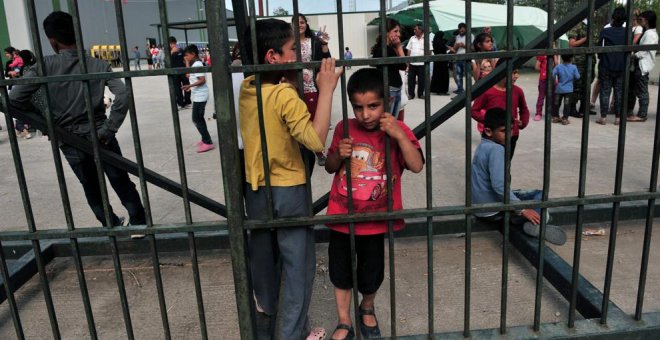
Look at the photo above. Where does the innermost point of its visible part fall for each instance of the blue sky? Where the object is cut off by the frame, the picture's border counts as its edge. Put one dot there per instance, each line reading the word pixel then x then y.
pixel 322 6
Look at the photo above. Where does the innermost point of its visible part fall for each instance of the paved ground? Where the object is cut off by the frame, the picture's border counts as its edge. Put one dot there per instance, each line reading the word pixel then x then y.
pixel 204 175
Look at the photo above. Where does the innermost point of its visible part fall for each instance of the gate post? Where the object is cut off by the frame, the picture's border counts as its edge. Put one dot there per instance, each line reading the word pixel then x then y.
pixel 232 176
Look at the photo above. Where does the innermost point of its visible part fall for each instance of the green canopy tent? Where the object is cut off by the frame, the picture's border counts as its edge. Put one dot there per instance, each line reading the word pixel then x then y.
pixel 445 15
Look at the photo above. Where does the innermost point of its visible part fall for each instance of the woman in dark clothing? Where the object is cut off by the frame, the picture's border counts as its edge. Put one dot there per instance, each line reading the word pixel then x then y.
pixel 394 49
pixel 440 78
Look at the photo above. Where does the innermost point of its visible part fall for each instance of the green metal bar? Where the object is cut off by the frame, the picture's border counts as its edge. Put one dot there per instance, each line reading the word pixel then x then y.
pixel 75 254
pixel 646 249
pixel 5 39
pixel 13 308
pixel 388 171
pixel 57 5
pixel 29 216
pixel 468 179
pixel 140 162
pixel 584 150
pixel 73 7
pixel 162 9
pixel 507 171
pixel 618 177
pixel 429 176
pixel 547 146
pixel 224 99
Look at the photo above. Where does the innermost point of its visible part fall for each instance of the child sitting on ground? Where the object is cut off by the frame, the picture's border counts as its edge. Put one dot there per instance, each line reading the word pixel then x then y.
pixel 565 73
pixel 282 261
pixel 496 97
pixel 364 145
pixel 488 178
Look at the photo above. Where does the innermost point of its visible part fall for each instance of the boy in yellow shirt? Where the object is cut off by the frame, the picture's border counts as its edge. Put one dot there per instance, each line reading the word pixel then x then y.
pixel 286 291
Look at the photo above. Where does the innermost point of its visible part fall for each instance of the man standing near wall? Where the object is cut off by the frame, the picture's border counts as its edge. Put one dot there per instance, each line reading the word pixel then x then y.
pixel 459 48
pixel 415 48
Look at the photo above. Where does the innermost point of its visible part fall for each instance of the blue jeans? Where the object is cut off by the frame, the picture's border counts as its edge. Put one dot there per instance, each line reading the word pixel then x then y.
pixel 459 72
pixel 523 195
pixel 395 93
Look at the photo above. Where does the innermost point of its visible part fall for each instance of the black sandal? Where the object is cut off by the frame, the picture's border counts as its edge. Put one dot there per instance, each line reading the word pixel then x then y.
pixel 369 331
pixel 349 336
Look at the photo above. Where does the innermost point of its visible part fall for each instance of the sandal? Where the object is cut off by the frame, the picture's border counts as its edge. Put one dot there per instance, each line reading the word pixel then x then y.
pixel 318 333
pixel 369 331
pixel 349 336
pixel 635 119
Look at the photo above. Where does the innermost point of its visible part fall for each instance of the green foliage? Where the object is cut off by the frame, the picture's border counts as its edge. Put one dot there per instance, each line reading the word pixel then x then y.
pixel 279 11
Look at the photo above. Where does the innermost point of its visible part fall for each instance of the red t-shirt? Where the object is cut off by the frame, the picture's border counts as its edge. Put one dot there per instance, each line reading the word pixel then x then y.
pixel 543 74
pixel 496 98
pixel 368 177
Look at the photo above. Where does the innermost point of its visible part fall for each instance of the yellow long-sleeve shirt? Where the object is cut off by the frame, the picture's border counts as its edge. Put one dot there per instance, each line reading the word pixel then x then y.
pixel 287 123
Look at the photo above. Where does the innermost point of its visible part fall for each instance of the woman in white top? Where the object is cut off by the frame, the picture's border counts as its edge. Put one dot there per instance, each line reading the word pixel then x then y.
pixel 313 47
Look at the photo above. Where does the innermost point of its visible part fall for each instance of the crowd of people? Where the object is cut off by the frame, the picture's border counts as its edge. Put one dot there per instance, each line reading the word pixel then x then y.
pixel 282 261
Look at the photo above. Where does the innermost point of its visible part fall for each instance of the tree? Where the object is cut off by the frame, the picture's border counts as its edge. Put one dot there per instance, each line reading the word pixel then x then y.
pixel 279 11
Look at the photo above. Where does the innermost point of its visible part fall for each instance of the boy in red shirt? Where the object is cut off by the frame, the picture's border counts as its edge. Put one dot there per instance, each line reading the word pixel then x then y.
pixel 365 147
pixel 496 97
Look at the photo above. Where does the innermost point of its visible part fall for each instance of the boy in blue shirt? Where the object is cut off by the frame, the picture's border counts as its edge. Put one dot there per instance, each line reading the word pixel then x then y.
pixel 488 181
pixel 565 73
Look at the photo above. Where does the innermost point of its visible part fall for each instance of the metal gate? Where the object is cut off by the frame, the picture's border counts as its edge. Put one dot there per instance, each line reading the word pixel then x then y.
pixel 603 318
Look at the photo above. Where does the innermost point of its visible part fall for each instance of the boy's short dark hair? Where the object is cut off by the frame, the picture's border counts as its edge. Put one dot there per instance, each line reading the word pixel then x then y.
pixel 618 16
pixel 191 49
pixel 271 34
pixel 495 118
pixel 566 57
pixel 10 50
pixel 462 25
pixel 59 26
pixel 171 40
pixel 365 80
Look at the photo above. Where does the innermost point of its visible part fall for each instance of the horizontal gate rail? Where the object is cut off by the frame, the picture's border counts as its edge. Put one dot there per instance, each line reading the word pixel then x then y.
pixel 25 267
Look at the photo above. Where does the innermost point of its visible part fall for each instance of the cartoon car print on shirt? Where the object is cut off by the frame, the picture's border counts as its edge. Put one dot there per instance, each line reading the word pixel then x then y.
pixel 368 180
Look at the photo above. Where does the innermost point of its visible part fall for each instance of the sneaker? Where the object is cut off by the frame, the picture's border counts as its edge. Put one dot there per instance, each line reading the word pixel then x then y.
pixel 120 221
pixel 565 121
pixel 556 120
pixel 553 234
pixel 136 236
pixel 203 147
pixel 537 117
pixel 601 121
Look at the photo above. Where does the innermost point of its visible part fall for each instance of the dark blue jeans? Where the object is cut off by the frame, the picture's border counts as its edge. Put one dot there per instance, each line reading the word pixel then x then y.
pixel 459 72
pixel 559 98
pixel 610 80
pixel 200 123
pixel 83 166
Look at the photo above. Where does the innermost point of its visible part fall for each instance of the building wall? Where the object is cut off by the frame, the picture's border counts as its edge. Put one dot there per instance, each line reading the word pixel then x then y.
pixel 357 34
pixel 99 22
